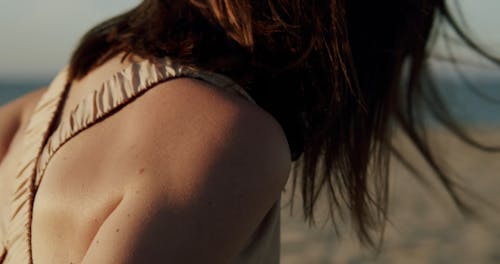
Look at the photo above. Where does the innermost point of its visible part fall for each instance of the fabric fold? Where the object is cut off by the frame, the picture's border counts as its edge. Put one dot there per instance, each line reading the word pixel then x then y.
pixel 18 233
pixel 40 144
pixel 121 88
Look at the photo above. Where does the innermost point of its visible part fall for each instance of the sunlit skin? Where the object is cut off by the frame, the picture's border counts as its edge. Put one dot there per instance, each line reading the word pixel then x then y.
pixel 184 174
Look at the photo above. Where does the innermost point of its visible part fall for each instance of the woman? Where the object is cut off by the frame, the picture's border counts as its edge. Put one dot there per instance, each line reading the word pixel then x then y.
pixel 170 135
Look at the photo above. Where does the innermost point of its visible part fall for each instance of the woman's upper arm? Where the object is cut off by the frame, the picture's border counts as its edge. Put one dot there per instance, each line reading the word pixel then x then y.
pixel 201 203
pixel 11 118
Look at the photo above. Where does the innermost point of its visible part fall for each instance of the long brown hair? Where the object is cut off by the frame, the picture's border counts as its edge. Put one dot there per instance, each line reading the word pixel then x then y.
pixel 330 72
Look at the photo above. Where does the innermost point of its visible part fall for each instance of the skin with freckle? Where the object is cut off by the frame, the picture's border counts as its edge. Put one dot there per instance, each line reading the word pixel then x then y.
pixel 172 132
pixel 78 206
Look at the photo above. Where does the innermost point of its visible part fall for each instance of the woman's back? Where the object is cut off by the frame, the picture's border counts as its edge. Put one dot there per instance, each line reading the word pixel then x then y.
pixel 160 174
pixel 110 155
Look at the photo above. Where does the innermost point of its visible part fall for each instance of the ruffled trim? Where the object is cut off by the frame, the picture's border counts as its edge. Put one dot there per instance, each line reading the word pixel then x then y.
pixel 39 148
pixel 18 238
pixel 120 89
pixel 3 252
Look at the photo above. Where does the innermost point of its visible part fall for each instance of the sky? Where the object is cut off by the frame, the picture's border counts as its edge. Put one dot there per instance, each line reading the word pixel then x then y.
pixel 37 37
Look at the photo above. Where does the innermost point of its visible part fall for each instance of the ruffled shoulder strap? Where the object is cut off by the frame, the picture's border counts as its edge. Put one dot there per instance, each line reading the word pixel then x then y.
pixel 18 244
pixel 122 88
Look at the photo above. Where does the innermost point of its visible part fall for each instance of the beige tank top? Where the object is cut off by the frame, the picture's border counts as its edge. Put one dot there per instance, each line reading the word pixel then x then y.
pixel 121 89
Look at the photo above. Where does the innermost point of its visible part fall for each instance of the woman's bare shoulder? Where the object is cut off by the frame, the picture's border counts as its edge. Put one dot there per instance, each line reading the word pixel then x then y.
pixel 188 114
pixel 15 115
pixel 22 107
pixel 186 109
pixel 206 168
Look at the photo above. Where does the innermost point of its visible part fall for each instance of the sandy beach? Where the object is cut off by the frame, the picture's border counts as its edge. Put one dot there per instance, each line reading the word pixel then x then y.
pixel 425 226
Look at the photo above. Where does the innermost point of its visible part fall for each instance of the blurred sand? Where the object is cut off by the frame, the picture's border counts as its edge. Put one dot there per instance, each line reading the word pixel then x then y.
pixel 426 227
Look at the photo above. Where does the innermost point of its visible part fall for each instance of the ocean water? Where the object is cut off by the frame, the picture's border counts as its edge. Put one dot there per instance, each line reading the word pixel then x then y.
pixel 11 89
pixel 477 103
pixel 477 106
